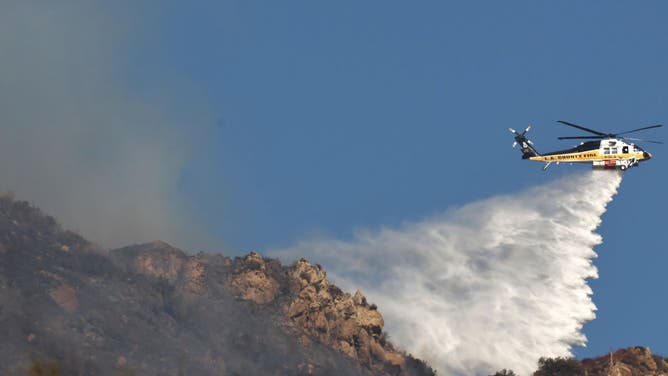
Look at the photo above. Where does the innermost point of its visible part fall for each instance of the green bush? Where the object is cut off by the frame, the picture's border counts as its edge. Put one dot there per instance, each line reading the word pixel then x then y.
pixel 559 367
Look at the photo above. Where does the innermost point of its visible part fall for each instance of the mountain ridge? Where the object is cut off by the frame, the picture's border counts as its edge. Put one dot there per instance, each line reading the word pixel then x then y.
pixel 153 308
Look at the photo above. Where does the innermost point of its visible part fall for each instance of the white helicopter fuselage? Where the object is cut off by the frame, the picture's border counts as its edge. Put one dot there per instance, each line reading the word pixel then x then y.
pixel 607 153
pixel 607 150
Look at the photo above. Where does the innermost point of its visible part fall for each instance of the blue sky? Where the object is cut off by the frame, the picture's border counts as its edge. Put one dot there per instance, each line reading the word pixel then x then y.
pixel 332 117
pixel 316 119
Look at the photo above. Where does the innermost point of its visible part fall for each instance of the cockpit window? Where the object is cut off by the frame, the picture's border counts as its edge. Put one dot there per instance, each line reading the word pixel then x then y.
pixel 637 148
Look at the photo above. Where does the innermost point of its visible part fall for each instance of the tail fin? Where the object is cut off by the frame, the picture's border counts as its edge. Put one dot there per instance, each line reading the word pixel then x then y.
pixel 526 145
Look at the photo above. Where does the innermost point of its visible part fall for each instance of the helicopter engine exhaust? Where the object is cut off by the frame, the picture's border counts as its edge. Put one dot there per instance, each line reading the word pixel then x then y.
pixel 494 284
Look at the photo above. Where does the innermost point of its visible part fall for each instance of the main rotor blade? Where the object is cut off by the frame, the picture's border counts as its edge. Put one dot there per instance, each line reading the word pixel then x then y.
pixel 641 129
pixel 581 127
pixel 642 140
pixel 582 138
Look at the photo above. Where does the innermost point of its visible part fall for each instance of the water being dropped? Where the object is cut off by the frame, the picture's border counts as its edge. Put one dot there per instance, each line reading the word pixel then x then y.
pixel 497 283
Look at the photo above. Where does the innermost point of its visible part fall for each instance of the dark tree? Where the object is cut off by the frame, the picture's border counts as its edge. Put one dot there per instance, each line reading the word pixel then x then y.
pixel 504 372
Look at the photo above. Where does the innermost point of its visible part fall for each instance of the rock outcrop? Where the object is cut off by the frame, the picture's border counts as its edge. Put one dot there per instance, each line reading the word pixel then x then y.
pixel 346 323
pixel 252 281
pixel 319 310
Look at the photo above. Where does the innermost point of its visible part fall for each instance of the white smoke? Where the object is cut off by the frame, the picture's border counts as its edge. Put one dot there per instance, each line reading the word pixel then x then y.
pixel 494 284
pixel 85 141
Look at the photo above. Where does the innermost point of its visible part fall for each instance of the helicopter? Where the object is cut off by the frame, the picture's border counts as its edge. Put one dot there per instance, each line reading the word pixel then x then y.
pixel 608 151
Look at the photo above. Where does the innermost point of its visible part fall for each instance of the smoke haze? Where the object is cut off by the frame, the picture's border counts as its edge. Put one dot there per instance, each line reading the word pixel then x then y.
pixel 494 284
pixel 83 139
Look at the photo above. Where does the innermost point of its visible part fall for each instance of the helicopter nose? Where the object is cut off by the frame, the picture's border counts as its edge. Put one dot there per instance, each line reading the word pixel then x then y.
pixel 647 155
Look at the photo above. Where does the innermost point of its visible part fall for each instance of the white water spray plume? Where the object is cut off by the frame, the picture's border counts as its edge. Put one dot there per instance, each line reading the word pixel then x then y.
pixel 494 284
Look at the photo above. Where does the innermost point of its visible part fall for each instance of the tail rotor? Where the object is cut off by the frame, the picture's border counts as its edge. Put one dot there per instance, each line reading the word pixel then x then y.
pixel 526 144
pixel 520 136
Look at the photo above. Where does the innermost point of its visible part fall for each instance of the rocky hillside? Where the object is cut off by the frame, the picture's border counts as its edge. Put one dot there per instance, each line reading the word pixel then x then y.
pixel 154 309
pixel 634 361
